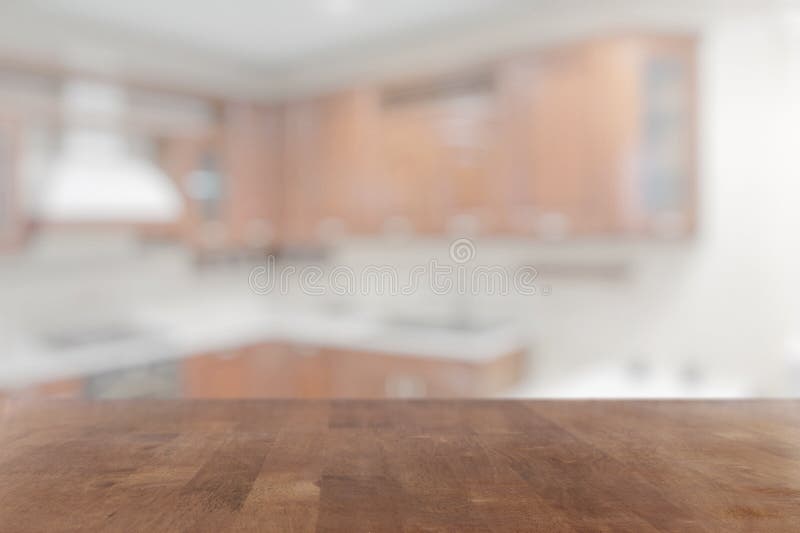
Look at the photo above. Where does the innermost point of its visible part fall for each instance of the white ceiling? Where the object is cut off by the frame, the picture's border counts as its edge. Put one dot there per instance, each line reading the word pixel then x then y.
pixel 276 48
pixel 268 32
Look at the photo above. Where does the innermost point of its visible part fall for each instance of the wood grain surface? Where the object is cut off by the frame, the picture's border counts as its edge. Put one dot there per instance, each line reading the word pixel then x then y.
pixel 378 466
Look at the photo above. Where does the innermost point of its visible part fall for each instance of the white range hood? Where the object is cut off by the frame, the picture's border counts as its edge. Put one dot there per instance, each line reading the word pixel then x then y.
pixel 95 176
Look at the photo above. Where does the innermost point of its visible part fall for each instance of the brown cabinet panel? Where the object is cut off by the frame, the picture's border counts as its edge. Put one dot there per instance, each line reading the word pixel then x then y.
pixel 332 177
pixel 64 388
pixel 580 156
pixel 548 124
pixel 358 374
pixel 244 152
pixel 67 388
pixel 307 371
pixel 612 123
pixel 215 376
pixel 583 140
pixel 303 187
pixel 250 151
pixel 261 371
pixel 440 157
pixel 412 159
pixel 350 132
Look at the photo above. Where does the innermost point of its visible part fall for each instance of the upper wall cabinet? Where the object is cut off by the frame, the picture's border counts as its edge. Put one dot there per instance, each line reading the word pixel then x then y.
pixel 354 197
pixel 417 160
pixel 302 171
pixel 594 139
pixel 332 178
pixel 599 139
pixel 250 151
pixel 439 155
pixel 230 179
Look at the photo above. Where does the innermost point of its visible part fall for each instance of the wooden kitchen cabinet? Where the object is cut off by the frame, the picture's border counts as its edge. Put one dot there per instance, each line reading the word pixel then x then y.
pixel 439 150
pixel 380 375
pixel 292 370
pixel 589 139
pixel 250 154
pixel 230 179
pixel 296 370
pixel 66 388
pixel 333 184
pixel 260 371
pixel 349 152
pixel 357 160
pixel 547 104
pixel 411 155
pixel 303 187
pixel 214 375
pixel 586 139
pixel 225 374
pixel 365 374
pixel 599 139
pixel 285 371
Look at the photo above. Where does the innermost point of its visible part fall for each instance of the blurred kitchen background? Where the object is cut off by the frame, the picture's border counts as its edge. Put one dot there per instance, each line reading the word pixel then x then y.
pixel 641 155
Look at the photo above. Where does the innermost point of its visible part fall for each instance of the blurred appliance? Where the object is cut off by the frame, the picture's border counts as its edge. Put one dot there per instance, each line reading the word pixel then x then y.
pixel 96 176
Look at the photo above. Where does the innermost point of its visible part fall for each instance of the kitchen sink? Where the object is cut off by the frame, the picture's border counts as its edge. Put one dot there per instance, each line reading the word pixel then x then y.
pixel 71 339
pixel 454 325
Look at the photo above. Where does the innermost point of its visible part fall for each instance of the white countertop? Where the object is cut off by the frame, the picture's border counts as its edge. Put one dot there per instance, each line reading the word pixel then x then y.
pixel 612 380
pixel 169 332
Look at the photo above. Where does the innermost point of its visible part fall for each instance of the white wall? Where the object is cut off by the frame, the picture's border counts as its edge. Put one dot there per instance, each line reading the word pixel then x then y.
pixel 739 304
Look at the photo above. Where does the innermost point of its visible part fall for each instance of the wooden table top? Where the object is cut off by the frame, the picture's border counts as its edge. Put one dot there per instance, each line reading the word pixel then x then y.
pixel 400 466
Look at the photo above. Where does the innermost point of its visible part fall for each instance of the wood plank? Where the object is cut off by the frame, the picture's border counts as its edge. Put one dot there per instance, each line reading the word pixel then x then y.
pixel 288 465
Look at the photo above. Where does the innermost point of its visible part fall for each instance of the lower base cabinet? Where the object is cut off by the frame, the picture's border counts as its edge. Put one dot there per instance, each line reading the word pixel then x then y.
pixel 281 370
pixel 302 371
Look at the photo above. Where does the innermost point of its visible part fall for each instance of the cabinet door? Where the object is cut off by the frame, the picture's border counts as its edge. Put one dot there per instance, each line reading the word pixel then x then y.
pixel 271 372
pixel 331 165
pixel 356 374
pixel 215 375
pixel 613 109
pixel 260 371
pixel 545 126
pixel 349 126
pixel 68 388
pixel 640 137
pixel 468 135
pixel 250 147
pixel 303 186
pixel 598 138
pixel 411 155
pixel 439 156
